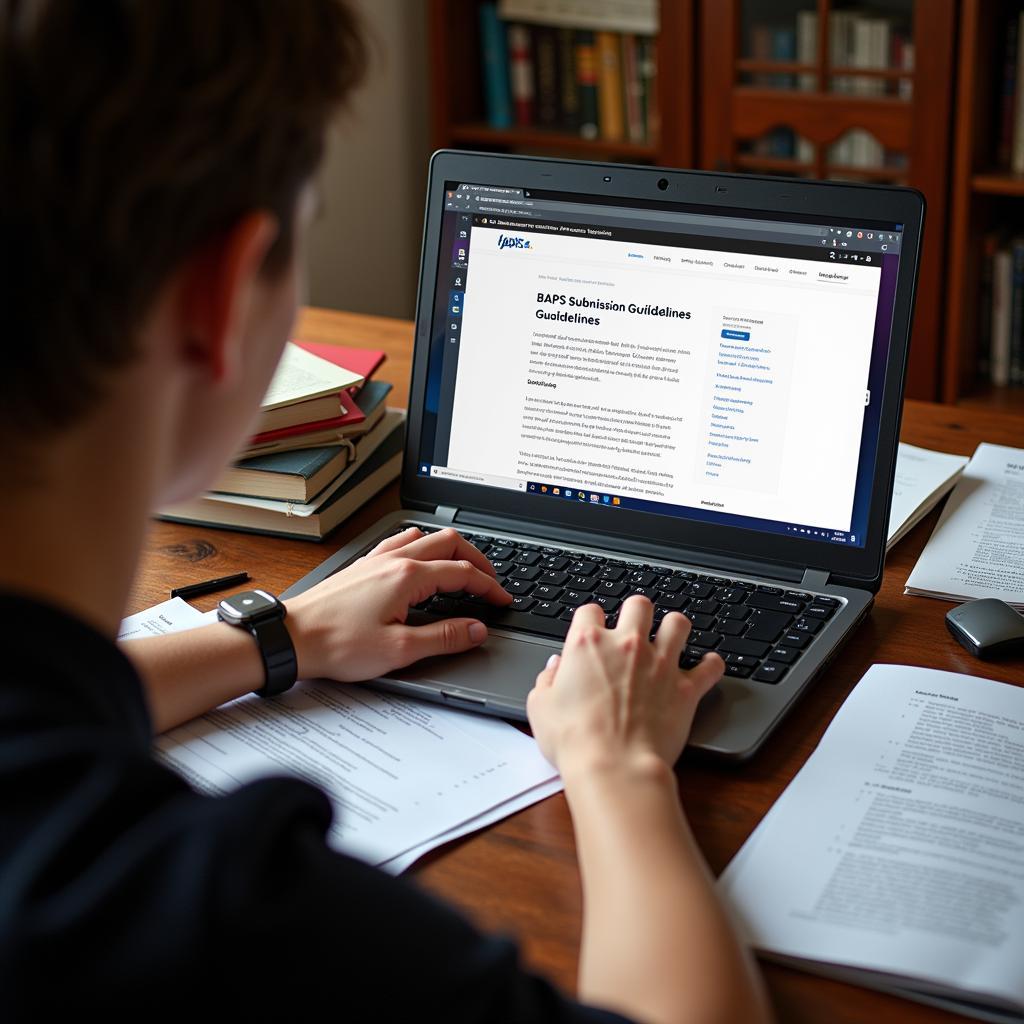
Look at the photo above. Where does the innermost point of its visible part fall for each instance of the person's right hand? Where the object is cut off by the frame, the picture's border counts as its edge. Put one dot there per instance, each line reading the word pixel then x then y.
pixel 614 695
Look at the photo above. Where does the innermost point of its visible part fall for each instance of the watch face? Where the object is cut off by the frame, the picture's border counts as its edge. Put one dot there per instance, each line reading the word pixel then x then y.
pixel 248 605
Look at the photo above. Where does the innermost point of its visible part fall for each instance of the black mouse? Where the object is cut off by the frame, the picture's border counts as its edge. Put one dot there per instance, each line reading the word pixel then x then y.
pixel 988 628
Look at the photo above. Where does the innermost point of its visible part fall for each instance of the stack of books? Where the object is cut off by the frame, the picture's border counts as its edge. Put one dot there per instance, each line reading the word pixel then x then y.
pixel 1001 331
pixel 325 443
pixel 571 67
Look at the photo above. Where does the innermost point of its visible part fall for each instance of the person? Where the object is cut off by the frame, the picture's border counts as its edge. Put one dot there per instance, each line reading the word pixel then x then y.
pixel 158 183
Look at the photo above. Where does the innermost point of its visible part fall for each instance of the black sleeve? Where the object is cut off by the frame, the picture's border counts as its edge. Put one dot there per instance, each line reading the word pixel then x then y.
pixel 120 886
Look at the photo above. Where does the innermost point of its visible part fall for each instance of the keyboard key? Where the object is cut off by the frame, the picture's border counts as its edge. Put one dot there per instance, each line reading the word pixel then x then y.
pixel 765 589
pixel 705 638
pixel 545 592
pixel 741 645
pixel 552 578
pixel 583 568
pixel 527 557
pixel 739 671
pixel 798 641
pixel 774 603
pixel 729 595
pixel 582 582
pixel 607 602
pixel 610 572
pixel 818 611
pixel 549 609
pixel 669 584
pixel 749 660
pixel 641 579
pixel 610 588
pixel 739 612
pixel 786 655
pixel 514 586
pixel 700 590
pixel 573 598
pixel 799 595
pixel 524 572
pixel 503 568
pixel 770 672
pixel 554 562
pixel 648 592
pixel 766 626
pixel 828 602
pixel 704 607
pixel 729 627
pixel 810 626
pixel 500 553
pixel 702 622
pixel 676 601
pixel 522 604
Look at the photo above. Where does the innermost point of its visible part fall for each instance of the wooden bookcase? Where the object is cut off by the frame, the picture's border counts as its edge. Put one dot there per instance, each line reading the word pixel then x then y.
pixel 458 113
pixel 983 197
pixel 734 113
pixel 709 114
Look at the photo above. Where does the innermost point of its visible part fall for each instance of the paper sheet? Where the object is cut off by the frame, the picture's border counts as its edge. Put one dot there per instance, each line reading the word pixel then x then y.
pixel 899 847
pixel 403 776
pixel 922 478
pixel 977 548
pixel 300 376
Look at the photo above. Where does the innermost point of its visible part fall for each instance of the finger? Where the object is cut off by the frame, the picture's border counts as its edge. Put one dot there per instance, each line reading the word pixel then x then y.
pixel 450 545
pixel 636 615
pixel 672 635
pixel 396 541
pixel 546 676
pixel 449 636
pixel 586 615
pixel 706 673
pixel 447 577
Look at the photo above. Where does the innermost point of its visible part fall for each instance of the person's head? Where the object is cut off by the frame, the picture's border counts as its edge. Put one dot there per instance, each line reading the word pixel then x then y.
pixel 157 162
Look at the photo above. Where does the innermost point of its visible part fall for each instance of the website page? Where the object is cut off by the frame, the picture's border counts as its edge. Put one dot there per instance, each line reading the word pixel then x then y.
pixel 613 366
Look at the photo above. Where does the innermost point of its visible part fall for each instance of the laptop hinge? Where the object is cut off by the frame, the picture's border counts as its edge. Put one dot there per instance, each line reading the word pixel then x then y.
pixel 815 579
pixel 446 513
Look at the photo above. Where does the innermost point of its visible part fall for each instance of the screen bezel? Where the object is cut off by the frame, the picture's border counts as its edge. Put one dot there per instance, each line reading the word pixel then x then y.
pixel 832 201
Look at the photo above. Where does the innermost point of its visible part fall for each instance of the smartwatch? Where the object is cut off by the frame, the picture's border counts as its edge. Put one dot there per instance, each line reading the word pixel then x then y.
pixel 262 615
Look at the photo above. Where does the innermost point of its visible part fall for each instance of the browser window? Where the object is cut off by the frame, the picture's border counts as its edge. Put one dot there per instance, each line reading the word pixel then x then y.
pixel 677 362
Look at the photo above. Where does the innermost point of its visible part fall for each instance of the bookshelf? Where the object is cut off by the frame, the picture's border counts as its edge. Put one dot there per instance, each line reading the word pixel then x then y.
pixel 458 108
pixel 984 197
pixel 828 89
pixel 799 103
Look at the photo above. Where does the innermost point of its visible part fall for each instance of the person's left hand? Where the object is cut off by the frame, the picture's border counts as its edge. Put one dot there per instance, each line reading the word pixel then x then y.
pixel 352 626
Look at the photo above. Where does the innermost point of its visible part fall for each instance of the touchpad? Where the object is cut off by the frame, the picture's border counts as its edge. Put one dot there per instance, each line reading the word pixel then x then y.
pixel 502 667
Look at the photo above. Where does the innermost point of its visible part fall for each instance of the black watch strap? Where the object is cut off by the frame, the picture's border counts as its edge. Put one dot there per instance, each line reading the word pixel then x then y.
pixel 278 653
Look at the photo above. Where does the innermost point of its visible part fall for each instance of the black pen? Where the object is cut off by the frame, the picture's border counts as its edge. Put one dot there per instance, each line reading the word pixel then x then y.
pixel 209 586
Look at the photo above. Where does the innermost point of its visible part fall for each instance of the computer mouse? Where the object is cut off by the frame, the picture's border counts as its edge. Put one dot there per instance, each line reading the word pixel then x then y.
pixel 988 628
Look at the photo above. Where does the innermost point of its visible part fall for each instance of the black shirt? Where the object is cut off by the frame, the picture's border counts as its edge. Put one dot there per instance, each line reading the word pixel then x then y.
pixel 121 886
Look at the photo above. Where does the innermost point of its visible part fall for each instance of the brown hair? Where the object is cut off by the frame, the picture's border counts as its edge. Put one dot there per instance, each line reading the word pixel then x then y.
pixel 131 132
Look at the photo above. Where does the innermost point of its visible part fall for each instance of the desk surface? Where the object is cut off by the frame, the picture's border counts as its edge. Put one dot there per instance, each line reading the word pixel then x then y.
pixel 520 876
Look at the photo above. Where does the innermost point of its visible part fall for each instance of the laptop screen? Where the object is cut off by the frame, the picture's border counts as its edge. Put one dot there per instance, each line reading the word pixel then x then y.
pixel 715 365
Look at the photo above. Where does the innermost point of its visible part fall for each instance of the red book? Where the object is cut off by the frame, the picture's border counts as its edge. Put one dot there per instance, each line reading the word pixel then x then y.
pixel 520 65
pixel 364 361
pixel 353 414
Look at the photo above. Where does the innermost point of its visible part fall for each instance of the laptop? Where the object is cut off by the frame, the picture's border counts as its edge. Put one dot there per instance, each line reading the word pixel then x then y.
pixel 676 383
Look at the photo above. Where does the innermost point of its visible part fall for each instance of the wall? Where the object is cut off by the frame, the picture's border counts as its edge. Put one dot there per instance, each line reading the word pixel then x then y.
pixel 364 250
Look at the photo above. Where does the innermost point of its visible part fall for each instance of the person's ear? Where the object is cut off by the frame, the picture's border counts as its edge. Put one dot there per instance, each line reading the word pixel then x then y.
pixel 217 291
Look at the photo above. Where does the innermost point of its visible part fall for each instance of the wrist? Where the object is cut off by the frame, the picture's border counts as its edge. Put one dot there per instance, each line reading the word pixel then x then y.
pixel 603 769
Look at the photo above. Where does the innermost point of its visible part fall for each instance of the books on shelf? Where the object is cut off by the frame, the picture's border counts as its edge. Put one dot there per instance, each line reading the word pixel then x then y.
pixel 570 67
pixel 1001 323
pixel 377 462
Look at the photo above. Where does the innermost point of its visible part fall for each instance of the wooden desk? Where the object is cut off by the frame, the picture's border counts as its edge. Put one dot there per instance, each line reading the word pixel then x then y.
pixel 520 876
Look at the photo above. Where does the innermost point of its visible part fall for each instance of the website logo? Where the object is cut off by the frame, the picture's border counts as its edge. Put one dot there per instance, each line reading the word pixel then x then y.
pixel 513 242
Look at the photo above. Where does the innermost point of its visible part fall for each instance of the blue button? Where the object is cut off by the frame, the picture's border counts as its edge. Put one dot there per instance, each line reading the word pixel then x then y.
pixel 737 335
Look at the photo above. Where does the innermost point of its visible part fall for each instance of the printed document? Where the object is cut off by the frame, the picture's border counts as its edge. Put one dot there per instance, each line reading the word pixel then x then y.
pixel 403 776
pixel 895 858
pixel 922 479
pixel 977 549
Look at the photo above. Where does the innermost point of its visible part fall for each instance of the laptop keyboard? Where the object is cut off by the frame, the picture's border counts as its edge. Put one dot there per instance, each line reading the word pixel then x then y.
pixel 760 631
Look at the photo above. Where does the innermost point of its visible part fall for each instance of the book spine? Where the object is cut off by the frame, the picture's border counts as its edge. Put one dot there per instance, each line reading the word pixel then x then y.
pixel 611 118
pixel 649 76
pixel 1002 287
pixel 496 70
pixel 1015 374
pixel 984 369
pixel 545 44
pixel 1017 155
pixel 632 87
pixel 586 80
pixel 568 90
pixel 520 60
pixel 807 46
pixel 1007 114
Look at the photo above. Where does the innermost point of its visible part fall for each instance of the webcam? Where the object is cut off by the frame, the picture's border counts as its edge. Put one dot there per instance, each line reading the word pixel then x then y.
pixel 663 183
